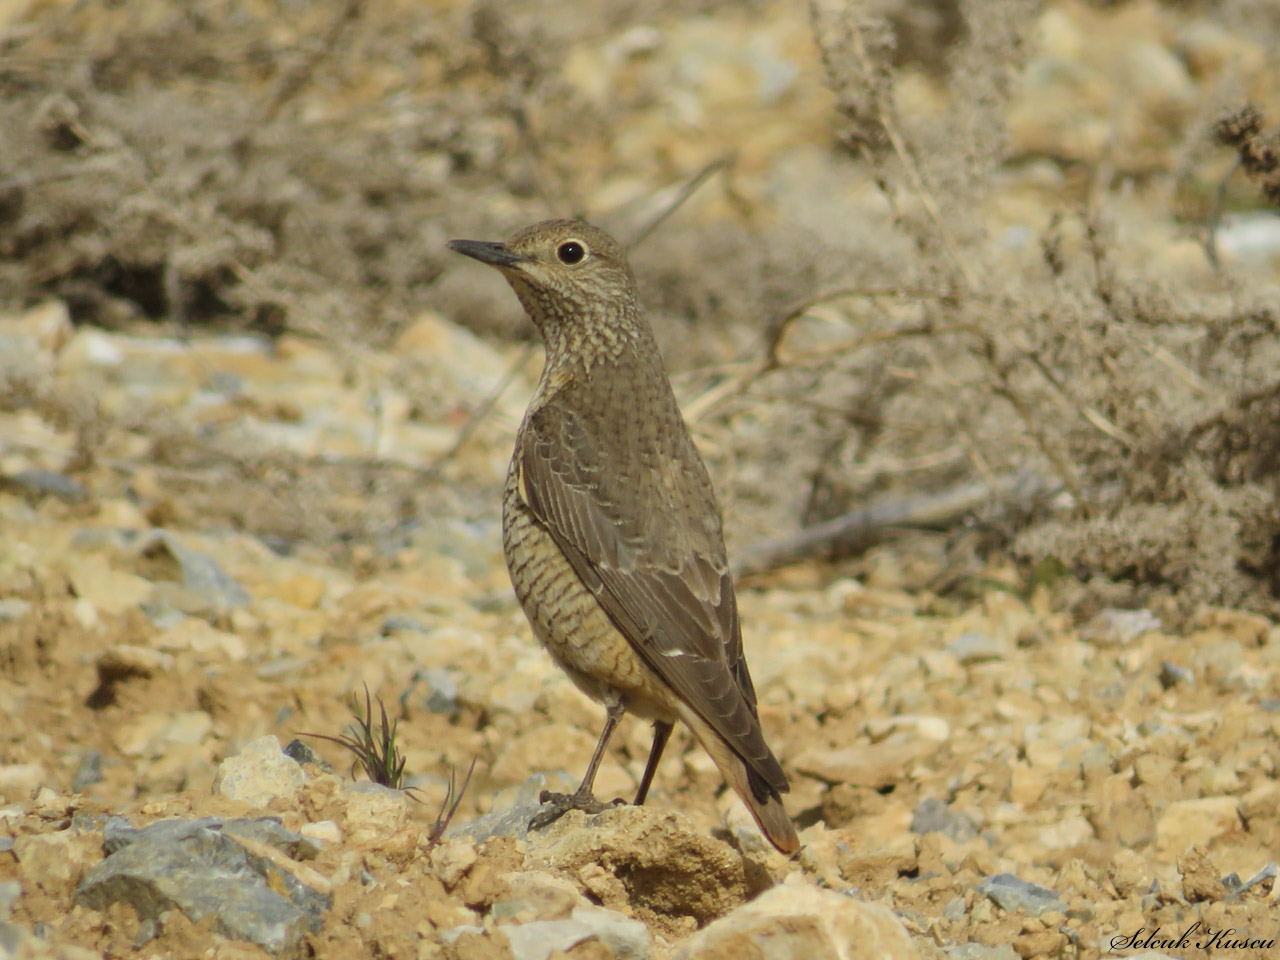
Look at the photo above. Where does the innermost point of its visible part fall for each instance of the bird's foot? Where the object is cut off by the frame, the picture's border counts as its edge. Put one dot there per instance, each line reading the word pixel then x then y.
pixel 556 805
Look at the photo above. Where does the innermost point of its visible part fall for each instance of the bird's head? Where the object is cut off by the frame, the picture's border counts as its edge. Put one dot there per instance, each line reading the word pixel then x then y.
pixel 571 277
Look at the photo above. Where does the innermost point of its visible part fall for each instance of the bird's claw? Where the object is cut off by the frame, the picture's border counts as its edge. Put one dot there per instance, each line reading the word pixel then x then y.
pixel 556 805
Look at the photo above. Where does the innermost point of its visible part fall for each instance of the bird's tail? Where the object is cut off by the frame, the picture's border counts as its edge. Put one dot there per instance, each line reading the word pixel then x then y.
pixel 764 802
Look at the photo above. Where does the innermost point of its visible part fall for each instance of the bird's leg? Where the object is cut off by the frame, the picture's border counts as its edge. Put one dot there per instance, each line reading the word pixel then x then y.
pixel 661 733
pixel 556 805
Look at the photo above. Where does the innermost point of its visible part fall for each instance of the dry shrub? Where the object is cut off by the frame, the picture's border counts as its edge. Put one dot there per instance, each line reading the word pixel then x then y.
pixel 192 163
pixel 1149 404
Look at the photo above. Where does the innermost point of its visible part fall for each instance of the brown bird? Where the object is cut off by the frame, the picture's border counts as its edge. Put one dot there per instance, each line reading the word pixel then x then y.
pixel 610 526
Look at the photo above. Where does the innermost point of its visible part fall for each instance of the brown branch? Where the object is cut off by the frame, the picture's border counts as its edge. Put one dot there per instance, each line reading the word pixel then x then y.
pixel 855 532
pixel 686 191
pixel 777 328
pixel 293 81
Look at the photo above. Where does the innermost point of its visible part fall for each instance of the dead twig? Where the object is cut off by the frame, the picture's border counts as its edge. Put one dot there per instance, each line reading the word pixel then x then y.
pixel 1210 242
pixel 743 375
pixel 914 176
pixel 855 532
pixel 478 415
pixel 777 329
pixel 293 81
pixel 688 190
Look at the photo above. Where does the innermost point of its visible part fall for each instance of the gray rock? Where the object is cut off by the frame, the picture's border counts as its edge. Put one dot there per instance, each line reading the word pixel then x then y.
pixel 403 623
pixel 93 538
pixel 1269 872
pixel 197 866
pixel 163 615
pixel 1010 893
pixel 934 816
pixel 272 832
pixel 1171 675
pixel 954 910
pixel 513 808
pixel 118 833
pixel 441 694
pixel 300 751
pixel 199 573
pixel 442 690
pixel 88 772
pixel 227 384
pixel 43 483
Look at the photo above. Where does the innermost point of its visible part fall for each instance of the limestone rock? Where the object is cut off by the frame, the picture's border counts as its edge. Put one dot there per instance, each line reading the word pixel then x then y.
pixel 259 773
pixel 55 862
pixel 626 939
pixel 875 765
pixel 1194 823
pixel 372 812
pixel 1200 880
pixel 802 921
pixel 665 866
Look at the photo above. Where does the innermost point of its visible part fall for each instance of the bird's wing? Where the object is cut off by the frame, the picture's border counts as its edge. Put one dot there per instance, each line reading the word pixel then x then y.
pixel 662 578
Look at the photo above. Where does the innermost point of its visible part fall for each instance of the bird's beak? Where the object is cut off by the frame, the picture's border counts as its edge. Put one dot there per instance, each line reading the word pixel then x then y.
pixel 494 254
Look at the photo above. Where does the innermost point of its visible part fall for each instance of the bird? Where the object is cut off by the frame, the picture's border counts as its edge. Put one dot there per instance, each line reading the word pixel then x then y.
pixel 611 531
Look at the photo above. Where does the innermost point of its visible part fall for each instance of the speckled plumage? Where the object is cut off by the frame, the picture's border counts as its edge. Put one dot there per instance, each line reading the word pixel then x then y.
pixel 610 525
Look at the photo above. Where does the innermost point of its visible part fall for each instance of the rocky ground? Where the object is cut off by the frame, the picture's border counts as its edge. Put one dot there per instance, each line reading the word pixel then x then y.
pixel 212 538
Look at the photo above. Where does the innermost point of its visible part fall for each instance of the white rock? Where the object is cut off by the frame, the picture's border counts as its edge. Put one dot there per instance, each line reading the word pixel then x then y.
pixel 18 780
pixel 627 938
pixel 56 861
pixel 1193 823
pixel 373 812
pixel 1119 628
pixel 914 725
pixel 538 940
pixel 259 773
pixel 326 831
pixel 451 859
pixel 802 921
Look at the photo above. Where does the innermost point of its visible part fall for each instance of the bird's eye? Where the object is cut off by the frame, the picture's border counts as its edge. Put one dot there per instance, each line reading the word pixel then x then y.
pixel 571 252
